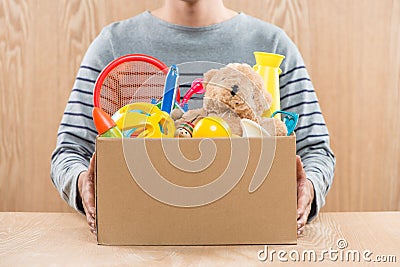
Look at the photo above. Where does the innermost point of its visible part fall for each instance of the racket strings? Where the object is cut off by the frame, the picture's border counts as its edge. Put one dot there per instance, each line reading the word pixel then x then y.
pixel 130 82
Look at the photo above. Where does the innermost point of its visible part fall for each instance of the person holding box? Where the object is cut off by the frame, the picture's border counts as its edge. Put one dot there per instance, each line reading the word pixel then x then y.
pixel 183 31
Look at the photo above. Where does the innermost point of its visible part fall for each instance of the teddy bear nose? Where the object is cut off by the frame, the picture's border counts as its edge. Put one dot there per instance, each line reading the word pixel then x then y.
pixel 235 89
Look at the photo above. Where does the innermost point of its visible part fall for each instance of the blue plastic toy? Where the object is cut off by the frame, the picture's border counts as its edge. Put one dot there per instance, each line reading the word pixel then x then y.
pixel 291 119
pixel 170 88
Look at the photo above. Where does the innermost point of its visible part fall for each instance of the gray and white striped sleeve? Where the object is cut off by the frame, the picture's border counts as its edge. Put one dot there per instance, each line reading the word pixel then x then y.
pixel 312 137
pixel 77 133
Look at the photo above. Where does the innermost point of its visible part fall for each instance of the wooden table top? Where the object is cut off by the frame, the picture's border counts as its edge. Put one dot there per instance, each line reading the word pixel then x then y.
pixel 332 239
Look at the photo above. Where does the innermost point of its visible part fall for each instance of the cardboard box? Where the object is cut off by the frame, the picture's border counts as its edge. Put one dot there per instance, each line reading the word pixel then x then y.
pixel 148 194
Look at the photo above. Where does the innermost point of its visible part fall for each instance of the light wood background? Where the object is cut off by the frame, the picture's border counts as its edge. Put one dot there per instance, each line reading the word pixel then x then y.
pixel 351 47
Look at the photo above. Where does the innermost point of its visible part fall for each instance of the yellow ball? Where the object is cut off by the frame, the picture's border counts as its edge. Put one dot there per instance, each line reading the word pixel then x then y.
pixel 211 127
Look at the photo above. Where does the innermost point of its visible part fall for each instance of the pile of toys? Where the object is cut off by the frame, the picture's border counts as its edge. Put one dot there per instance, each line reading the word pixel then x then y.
pixel 239 101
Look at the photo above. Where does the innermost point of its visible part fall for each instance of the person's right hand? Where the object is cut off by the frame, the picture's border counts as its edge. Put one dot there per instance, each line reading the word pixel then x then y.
pixel 86 191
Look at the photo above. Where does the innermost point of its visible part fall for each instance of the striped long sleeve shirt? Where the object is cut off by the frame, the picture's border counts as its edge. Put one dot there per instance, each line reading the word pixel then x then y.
pixel 230 41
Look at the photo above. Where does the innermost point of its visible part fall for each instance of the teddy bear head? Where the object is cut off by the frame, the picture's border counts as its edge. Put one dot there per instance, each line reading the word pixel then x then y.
pixel 236 88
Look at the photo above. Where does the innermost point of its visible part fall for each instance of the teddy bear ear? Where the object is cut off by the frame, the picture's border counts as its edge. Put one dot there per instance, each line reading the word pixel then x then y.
pixel 208 76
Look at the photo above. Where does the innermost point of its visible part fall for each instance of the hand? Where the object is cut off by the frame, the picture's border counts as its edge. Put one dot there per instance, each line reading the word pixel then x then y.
pixel 305 196
pixel 86 191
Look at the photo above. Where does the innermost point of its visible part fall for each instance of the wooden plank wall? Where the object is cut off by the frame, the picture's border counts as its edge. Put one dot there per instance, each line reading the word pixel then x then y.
pixel 351 47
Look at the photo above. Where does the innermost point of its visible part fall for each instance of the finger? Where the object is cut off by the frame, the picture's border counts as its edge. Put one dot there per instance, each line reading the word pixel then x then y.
pixel 301 230
pixel 303 200
pixel 90 220
pixel 93 231
pixel 302 220
pixel 87 194
pixel 303 196
pixel 88 198
pixel 89 210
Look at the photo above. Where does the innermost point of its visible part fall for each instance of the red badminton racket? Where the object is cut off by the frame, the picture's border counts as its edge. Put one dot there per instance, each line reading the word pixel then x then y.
pixel 128 79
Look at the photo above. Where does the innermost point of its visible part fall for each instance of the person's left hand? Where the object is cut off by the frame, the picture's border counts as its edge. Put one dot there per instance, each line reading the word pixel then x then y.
pixel 86 192
pixel 305 196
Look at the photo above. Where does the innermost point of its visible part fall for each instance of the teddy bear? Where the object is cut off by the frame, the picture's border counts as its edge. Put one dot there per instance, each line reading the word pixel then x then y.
pixel 233 92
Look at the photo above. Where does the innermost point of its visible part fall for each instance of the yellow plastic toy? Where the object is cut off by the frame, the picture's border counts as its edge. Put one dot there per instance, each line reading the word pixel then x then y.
pixel 144 120
pixel 211 127
pixel 267 65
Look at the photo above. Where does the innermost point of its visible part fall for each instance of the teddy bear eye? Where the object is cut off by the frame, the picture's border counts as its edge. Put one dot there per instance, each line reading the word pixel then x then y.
pixel 235 89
